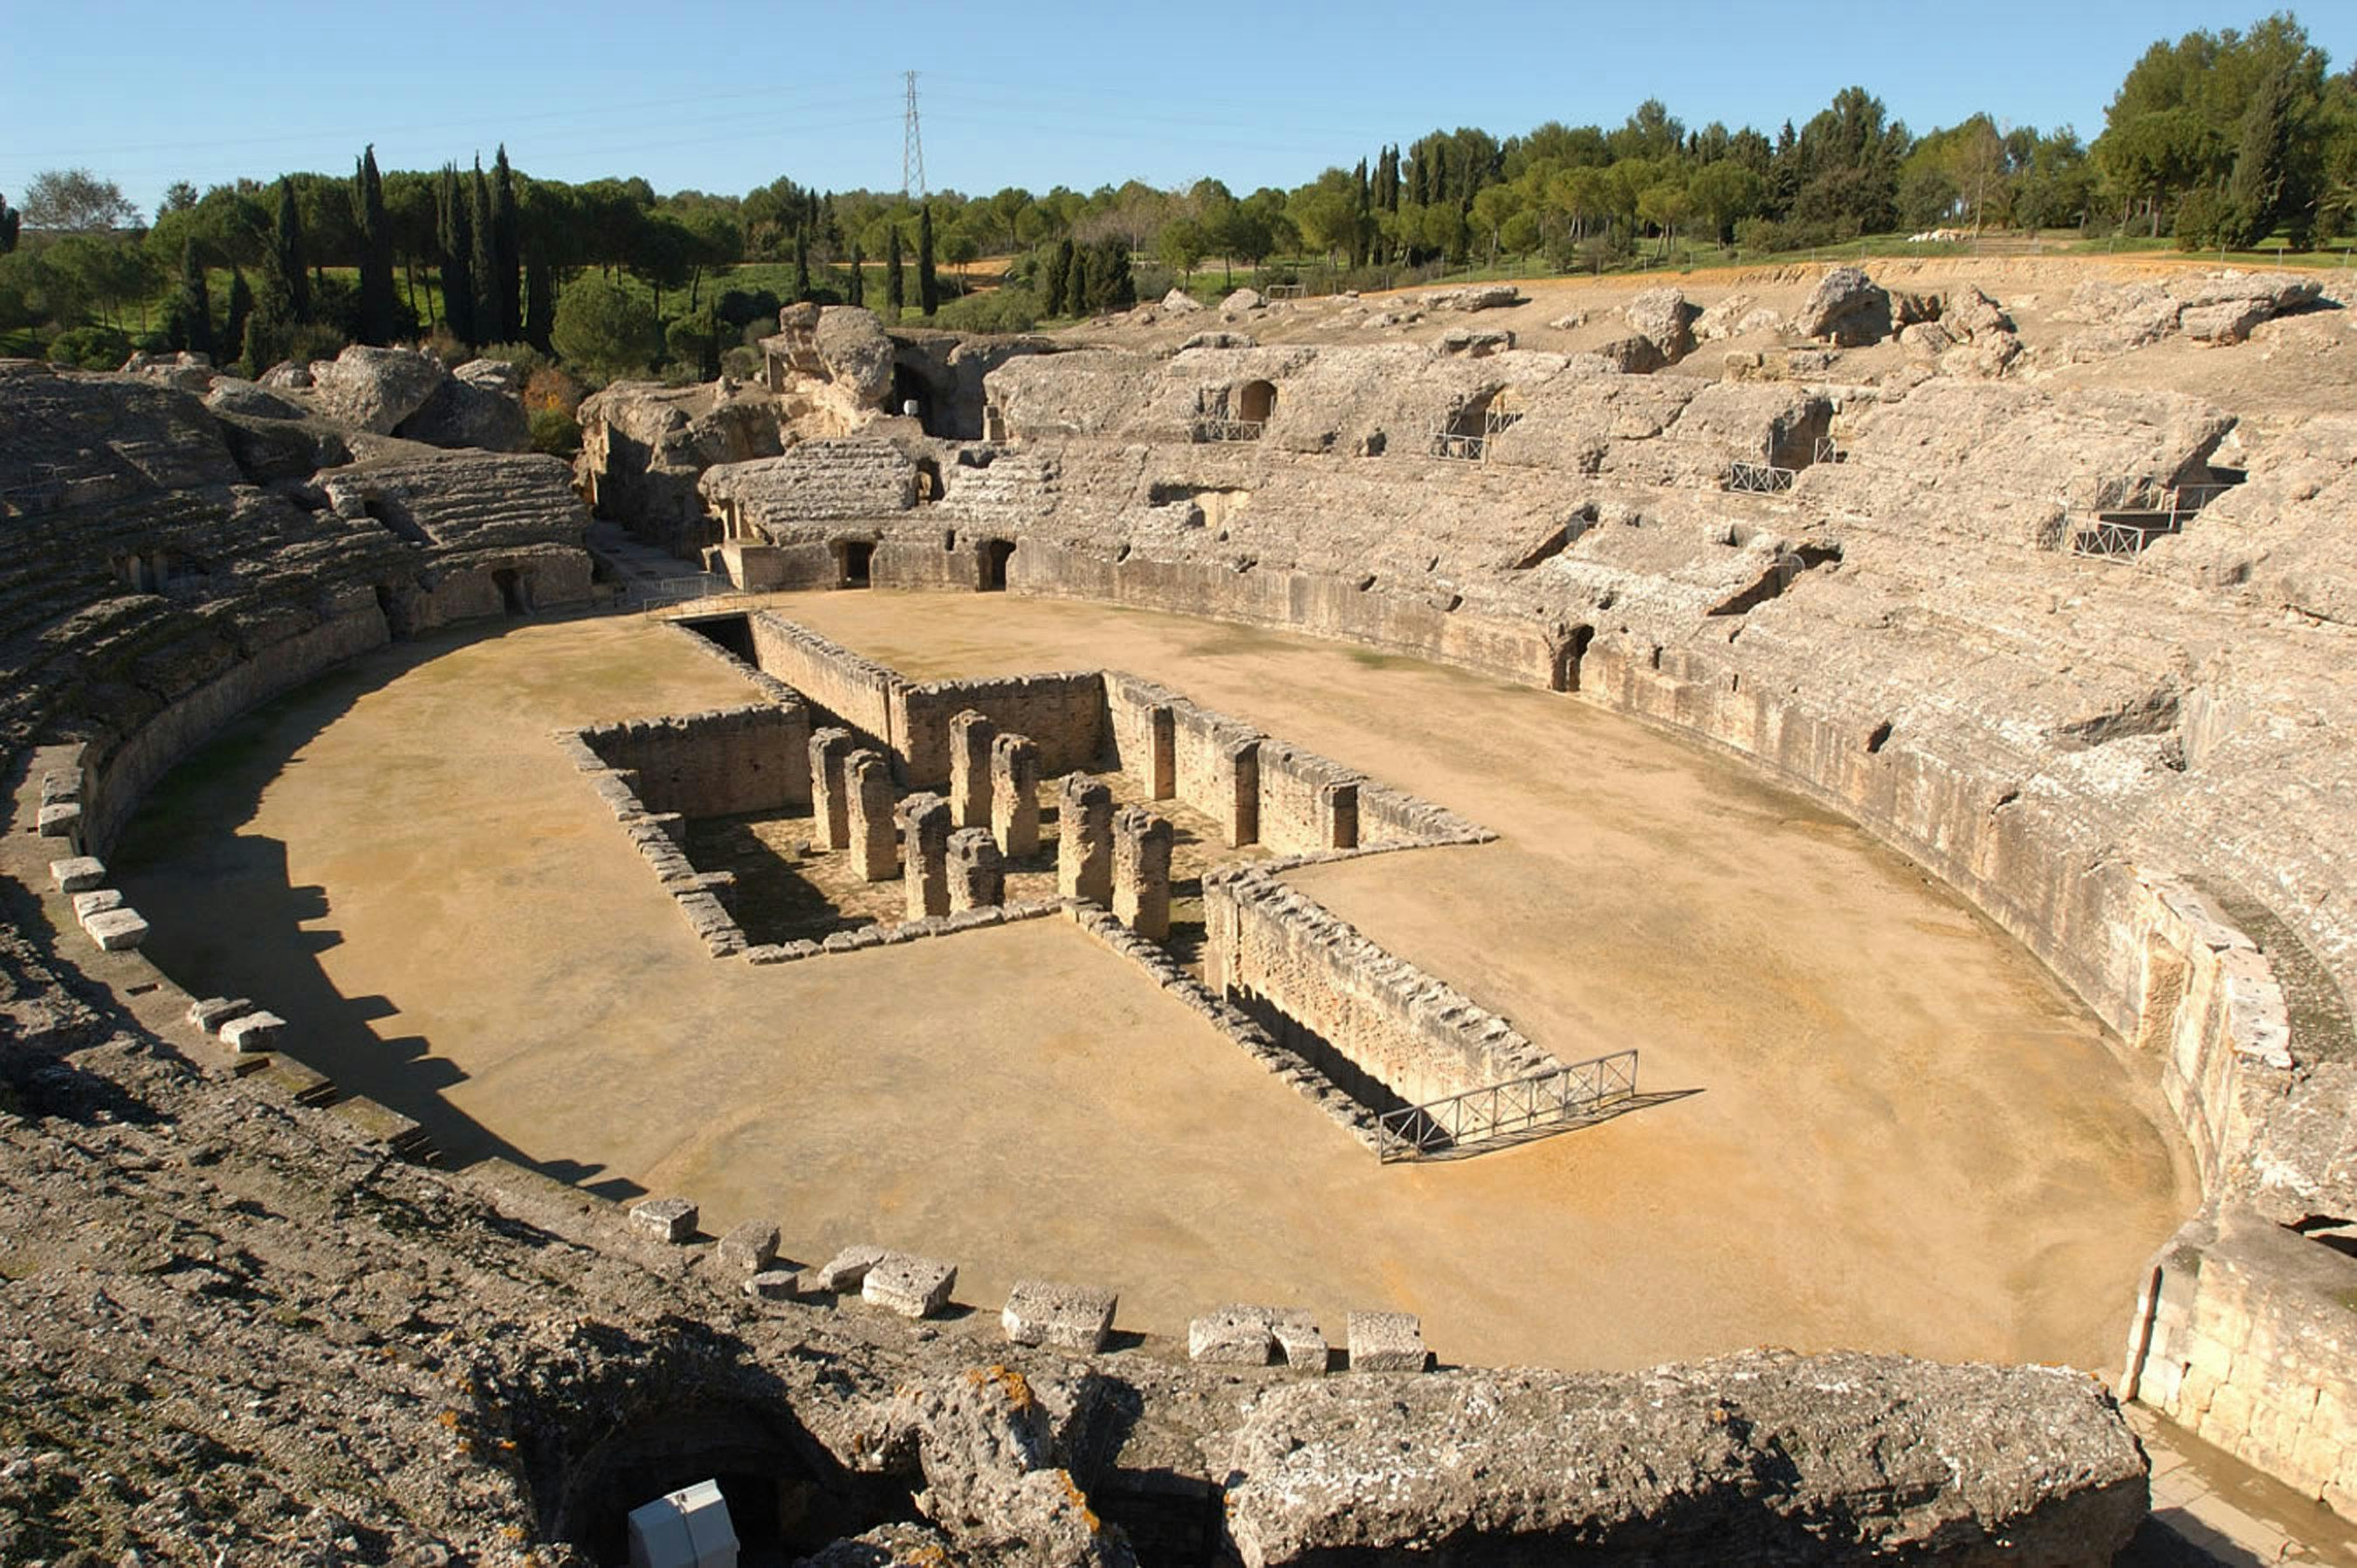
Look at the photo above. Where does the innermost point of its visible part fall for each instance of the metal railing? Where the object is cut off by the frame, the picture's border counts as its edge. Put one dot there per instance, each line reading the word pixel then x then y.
pixel 1216 429
pixel 1560 1097
pixel 2129 514
pixel 652 595
pixel 1826 451
pixel 1449 444
pixel 1759 478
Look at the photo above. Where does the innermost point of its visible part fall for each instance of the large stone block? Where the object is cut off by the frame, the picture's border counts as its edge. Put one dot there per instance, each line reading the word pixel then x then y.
pixel 1069 1317
pixel 1235 1335
pixel 907 1284
pixel 1386 1342
pixel 977 871
pixel 846 1269
pixel 749 1248
pixel 875 838
pixel 665 1218
pixel 251 1032
pixel 1299 1341
pixel 116 931
pixel 77 874
pixel 1141 872
pixel 830 804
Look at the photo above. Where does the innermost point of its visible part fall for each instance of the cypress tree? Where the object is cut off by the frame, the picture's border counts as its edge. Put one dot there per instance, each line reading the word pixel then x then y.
pixel 801 264
pixel 1055 283
pixel 241 311
pixel 507 256
pixel 11 223
pixel 539 294
pixel 484 263
pixel 1076 283
pixel 894 294
pixel 456 234
pixel 858 293
pixel 376 301
pixel 193 311
pixel 929 290
pixel 2261 193
pixel 261 344
pixel 287 294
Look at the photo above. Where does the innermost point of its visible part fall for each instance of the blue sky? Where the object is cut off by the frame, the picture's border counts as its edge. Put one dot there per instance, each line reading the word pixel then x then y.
pixel 724 96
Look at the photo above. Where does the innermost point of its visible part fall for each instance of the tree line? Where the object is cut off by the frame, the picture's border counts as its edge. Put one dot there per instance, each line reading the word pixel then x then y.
pixel 2220 138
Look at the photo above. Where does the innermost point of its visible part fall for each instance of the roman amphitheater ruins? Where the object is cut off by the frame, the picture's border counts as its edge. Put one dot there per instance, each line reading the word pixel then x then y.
pixel 1475 926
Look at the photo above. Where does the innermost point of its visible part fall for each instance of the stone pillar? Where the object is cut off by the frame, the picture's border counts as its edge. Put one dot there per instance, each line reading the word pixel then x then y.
pixel 1015 795
pixel 1161 771
pixel 977 873
pixel 1084 840
pixel 1237 776
pixel 925 840
pixel 875 842
pixel 1141 872
pixel 830 806
pixel 970 738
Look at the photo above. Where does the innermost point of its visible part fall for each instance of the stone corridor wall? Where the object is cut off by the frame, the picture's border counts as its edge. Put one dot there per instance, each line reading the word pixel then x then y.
pixel 715 764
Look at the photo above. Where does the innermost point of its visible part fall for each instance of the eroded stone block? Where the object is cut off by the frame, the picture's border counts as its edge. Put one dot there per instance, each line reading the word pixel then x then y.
pixel 665 1218
pixel 847 1269
pixel 925 849
pixel 907 1284
pixel 116 931
pixel 1386 1342
pixel 749 1246
pixel 774 1284
pixel 978 873
pixel 97 901
pixel 1299 1341
pixel 78 875
pixel 1069 1317
pixel 251 1032
pixel 1015 795
pixel 214 1011
pixel 58 820
pixel 875 837
pixel 1141 872
pixel 830 806
pixel 1234 1336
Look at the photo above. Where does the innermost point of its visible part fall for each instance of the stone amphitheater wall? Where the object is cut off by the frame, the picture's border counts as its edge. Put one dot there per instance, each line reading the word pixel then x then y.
pixel 115 782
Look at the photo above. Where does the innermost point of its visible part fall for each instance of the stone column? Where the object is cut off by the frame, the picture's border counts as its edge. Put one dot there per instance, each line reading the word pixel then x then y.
pixel 1084 840
pixel 977 873
pixel 1015 795
pixel 1141 872
pixel 925 838
pixel 830 806
pixel 1161 779
pixel 875 842
pixel 1236 773
pixel 970 738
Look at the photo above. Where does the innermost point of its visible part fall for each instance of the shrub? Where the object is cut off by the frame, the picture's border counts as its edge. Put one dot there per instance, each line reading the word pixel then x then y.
pixel 741 308
pixel 554 432
pixel 743 364
pixel 551 388
pixel 90 349
pixel 1003 310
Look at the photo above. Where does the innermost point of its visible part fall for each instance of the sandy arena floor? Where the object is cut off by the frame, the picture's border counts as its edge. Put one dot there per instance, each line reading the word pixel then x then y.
pixel 1906 1137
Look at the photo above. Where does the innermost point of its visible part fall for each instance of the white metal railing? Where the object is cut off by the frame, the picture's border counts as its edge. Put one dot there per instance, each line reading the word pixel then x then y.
pixel 1214 428
pixel 1759 478
pixel 1556 1098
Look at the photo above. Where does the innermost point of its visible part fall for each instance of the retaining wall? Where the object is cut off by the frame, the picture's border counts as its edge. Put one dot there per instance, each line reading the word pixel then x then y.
pixel 854 690
pixel 713 764
pixel 1322 988
pixel 1063 713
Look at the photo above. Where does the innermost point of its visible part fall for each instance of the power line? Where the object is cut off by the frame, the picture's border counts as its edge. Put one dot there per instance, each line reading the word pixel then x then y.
pixel 912 146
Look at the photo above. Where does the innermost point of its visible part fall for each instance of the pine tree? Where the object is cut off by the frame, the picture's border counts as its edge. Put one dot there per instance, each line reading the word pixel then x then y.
pixel 858 293
pixel 287 292
pixel 801 264
pixel 241 311
pixel 484 265
pixel 1055 285
pixel 11 223
pixel 507 256
pixel 929 288
pixel 376 302
pixel 456 236
pixel 894 294
pixel 192 310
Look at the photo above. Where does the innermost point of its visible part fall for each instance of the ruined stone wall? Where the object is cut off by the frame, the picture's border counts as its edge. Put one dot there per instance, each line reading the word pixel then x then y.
pixel 1316 982
pixel 715 764
pixel 1258 790
pixel 1063 713
pixel 854 690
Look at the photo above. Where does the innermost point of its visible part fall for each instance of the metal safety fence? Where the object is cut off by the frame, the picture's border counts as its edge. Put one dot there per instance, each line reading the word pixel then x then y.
pixel 1519 1107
